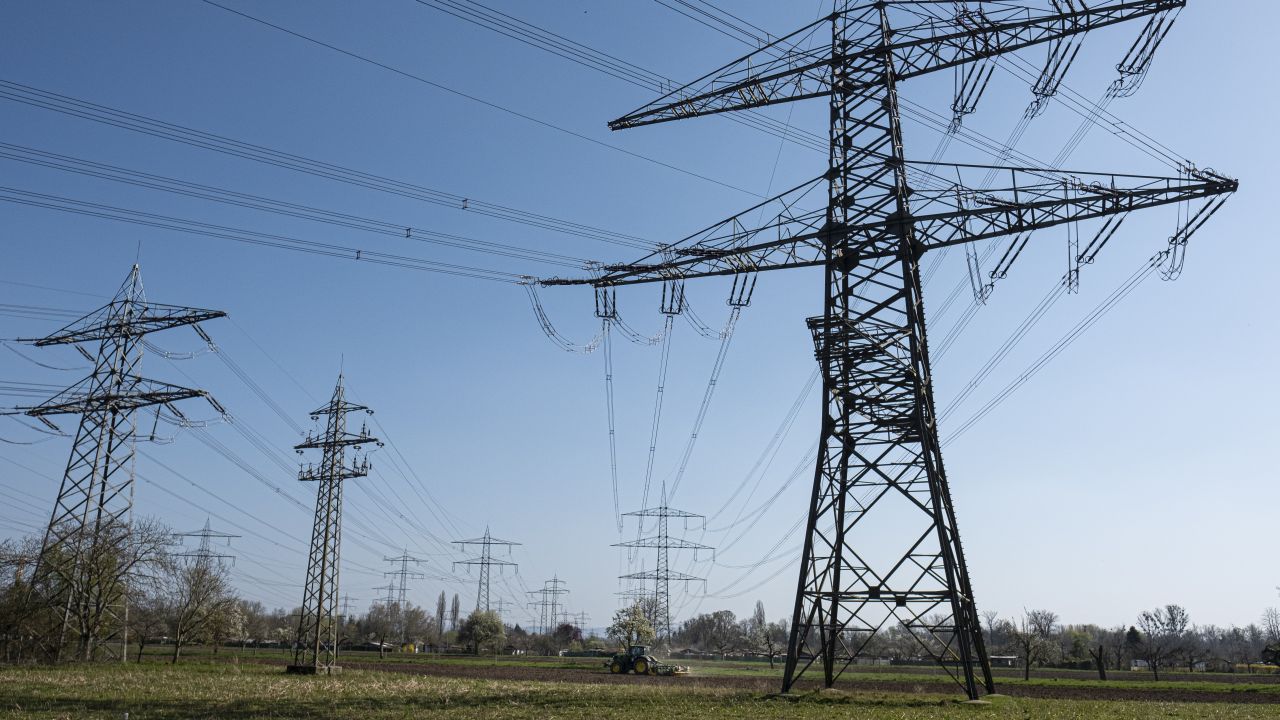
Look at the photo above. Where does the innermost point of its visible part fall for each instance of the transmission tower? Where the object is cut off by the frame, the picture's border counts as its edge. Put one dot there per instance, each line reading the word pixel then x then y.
pixel 663 544
pixel 404 574
pixel 485 561
pixel 881 544
pixel 317 640
pixel 81 572
pixel 548 603
pixel 205 553
pixel 346 606
pixel 390 599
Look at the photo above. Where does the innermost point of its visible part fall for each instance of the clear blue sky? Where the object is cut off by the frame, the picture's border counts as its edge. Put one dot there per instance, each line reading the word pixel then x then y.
pixel 1135 470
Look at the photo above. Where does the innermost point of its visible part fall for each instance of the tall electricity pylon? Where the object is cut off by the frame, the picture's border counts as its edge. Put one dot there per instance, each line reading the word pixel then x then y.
pixel 662 574
pixel 881 545
pixel 485 561
pixel 316 651
pixel 205 553
pixel 548 603
pixel 82 572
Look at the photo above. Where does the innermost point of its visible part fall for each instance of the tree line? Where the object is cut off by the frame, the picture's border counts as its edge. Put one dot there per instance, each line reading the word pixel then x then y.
pixel 1160 639
pixel 150 594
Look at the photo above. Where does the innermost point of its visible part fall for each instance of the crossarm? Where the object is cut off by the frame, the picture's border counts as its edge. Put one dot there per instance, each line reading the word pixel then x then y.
pixel 954 215
pixel 140 392
pixel 145 318
pixel 799 65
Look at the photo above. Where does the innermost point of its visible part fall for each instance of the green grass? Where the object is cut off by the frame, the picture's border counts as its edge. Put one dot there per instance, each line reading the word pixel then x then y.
pixel 760 670
pixel 929 676
pixel 229 691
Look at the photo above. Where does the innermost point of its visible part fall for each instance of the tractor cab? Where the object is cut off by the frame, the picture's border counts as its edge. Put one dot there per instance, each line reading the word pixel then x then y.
pixel 638 650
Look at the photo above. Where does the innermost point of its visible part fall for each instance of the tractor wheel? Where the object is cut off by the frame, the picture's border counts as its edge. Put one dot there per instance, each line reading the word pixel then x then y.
pixel 615 667
pixel 641 666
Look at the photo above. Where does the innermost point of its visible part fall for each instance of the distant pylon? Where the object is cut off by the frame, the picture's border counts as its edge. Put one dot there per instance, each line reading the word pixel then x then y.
pixel 316 651
pixel 499 606
pixel 346 606
pixel 662 574
pixel 78 573
pixel 205 553
pixel 390 598
pixel 485 561
pixel 549 603
pixel 404 574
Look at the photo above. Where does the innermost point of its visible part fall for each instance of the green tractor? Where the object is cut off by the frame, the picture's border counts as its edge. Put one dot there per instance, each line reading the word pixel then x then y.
pixel 638 660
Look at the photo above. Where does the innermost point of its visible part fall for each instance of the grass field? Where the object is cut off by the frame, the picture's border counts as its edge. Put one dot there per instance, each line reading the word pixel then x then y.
pixel 222 690
pixel 555 689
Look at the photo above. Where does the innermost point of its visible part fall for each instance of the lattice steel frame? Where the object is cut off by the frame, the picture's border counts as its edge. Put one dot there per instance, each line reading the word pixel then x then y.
pixel 486 561
pixel 316 646
pixel 879 442
pixel 662 575
pixel 92 516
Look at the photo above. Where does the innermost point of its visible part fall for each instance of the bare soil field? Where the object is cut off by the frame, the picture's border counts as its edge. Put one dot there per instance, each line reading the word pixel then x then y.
pixel 1072 688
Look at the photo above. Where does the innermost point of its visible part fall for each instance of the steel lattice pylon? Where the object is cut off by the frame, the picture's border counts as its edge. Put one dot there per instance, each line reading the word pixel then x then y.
pixel 549 604
pixel 662 574
pixel 81 572
pixel 205 554
pixel 486 561
pixel 881 547
pixel 316 648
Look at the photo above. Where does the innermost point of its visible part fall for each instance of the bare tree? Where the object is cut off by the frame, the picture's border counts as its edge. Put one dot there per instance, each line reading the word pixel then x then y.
pixel 17 560
pixel 763 637
pixel 1163 635
pixel 200 594
pixel 1031 637
pixel 1098 653
pixel 774 637
pixel 255 623
pixel 149 615
pixel 455 612
pixel 1271 624
pixel 1107 645
pixel 991 621
pixel 1198 645
pixel 106 562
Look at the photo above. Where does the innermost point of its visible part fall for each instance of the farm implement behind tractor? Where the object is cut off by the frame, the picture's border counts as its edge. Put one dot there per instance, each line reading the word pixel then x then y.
pixel 638 660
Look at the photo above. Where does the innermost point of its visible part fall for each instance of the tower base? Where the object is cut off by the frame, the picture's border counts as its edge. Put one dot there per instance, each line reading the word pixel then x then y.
pixel 313 669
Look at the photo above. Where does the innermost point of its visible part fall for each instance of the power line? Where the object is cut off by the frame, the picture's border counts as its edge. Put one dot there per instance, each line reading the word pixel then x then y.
pixel 153 127
pixel 529 34
pixel 67 163
pixel 475 99
pixel 249 237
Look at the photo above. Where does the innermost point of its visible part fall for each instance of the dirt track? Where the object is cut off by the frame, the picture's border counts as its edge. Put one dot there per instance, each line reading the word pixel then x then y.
pixel 769 685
